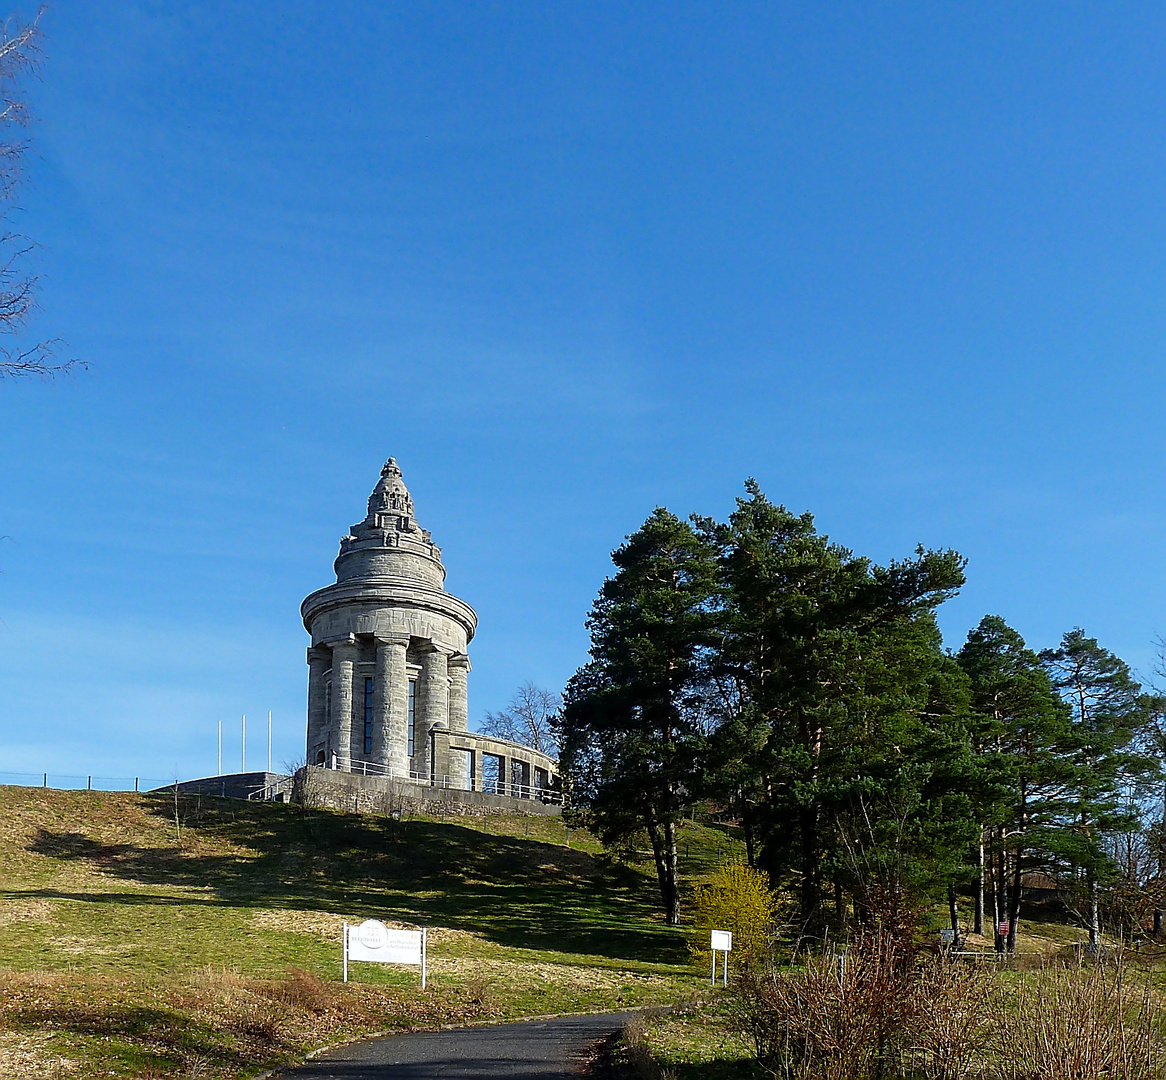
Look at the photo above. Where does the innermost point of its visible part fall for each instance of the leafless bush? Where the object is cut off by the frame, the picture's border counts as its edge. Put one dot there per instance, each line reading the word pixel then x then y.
pixel 868 1014
pixel 479 992
pixel 1079 1024
pixel 263 1020
pixel 950 1027
pixel 307 786
pixel 303 991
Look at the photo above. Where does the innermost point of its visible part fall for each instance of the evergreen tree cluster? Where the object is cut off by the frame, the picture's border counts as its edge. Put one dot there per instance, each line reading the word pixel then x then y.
pixel 806 689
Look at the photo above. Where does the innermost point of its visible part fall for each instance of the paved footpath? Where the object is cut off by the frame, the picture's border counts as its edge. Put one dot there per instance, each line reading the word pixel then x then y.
pixel 533 1050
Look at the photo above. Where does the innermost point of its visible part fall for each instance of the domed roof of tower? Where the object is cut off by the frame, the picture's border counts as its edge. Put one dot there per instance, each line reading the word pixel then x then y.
pixel 389 542
pixel 390 491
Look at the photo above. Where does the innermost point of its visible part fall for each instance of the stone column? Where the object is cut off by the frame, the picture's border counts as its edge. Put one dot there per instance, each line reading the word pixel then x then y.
pixel 459 666
pixel 319 660
pixel 434 707
pixel 459 706
pixel 391 706
pixel 344 655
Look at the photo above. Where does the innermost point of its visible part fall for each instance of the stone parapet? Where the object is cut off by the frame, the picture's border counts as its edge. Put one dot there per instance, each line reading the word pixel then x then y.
pixel 246 785
pixel 384 795
pixel 382 606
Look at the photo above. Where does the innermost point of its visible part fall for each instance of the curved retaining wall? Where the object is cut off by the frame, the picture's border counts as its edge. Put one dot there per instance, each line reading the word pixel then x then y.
pixel 338 790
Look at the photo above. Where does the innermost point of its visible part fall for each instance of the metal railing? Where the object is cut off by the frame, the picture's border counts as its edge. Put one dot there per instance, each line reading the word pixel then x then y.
pixel 82 782
pixel 282 786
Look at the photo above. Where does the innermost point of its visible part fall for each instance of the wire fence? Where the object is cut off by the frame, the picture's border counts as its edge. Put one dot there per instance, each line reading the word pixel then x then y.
pixel 68 782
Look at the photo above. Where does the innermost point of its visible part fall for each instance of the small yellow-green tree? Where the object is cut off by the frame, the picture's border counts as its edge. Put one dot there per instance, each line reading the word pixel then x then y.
pixel 740 899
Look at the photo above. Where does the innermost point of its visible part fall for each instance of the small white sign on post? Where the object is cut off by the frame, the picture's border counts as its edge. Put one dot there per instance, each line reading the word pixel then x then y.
pixel 722 941
pixel 947 936
pixel 375 943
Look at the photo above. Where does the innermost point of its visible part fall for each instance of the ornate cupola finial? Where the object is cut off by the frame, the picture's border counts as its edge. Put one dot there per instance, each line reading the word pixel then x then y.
pixel 389 542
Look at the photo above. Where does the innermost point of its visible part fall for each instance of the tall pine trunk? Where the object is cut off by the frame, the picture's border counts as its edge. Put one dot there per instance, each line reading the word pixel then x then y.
pixel 672 897
pixel 1161 866
pixel 811 883
pixel 978 922
pixel 1001 892
pixel 1094 913
pixel 811 889
pixel 663 838
pixel 1014 902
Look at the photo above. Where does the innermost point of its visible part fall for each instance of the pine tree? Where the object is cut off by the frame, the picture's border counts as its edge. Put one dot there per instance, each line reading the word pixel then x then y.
pixel 632 726
pixel 843 700
pixel 1109 713
pixel 1023 739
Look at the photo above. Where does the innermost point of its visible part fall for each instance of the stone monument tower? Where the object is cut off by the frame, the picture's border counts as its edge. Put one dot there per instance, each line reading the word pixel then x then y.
pixel 387 666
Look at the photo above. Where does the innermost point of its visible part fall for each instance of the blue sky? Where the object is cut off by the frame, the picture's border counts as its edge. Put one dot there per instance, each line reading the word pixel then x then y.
pixel 902 262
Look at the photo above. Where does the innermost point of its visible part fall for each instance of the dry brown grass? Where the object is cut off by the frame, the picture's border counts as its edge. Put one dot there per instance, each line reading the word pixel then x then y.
pixel 23 1056
pixel 211 1023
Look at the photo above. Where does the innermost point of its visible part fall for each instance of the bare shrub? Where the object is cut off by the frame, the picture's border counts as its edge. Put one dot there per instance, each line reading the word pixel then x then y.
pixel 303 991
pixel 950 1027
pixel 263 1020
pixel 479 992
pixel 868 1014
pixel 308 786
pixel 1079 1024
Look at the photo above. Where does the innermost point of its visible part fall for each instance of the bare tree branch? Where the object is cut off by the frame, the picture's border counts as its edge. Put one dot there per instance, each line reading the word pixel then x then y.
pixel 20 57
pixel 528 719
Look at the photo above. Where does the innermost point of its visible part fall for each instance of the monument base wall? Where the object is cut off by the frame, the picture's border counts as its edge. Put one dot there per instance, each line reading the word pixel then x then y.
pixel 338 790
pixel 245 785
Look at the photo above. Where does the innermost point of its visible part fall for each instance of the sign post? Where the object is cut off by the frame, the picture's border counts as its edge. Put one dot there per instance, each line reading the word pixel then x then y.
pixel 722 941
pixel 375 943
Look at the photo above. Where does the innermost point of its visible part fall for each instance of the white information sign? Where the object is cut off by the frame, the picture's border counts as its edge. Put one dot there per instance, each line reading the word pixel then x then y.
pixel 372 941
pixel 722 941
pixel 947 936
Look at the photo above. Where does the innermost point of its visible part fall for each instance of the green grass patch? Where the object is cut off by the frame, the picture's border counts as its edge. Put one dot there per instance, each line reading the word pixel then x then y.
pixel 692 1041
pixel 131 917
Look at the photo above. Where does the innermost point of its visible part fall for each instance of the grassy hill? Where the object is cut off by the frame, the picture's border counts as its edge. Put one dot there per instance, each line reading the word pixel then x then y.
pixel 143 938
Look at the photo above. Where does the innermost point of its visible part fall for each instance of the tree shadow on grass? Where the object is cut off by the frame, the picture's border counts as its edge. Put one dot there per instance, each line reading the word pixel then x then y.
pixel 144 1035
pixel 515 892
pixel 736 1069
